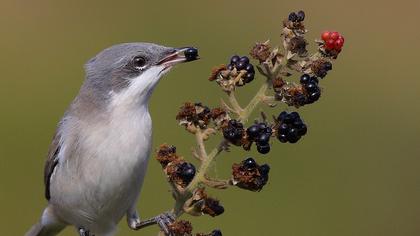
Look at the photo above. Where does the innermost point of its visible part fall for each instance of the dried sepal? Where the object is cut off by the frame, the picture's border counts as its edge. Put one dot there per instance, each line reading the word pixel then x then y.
pixel 200 203
pixel 194 114
pixel 181 228
pixel 166 154
pixel 219 116
pixel 261 51
pixel 321 67
pixel 216 71
pixel 297 45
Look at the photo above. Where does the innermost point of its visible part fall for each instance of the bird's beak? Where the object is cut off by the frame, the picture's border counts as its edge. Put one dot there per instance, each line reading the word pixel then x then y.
pixel 179 55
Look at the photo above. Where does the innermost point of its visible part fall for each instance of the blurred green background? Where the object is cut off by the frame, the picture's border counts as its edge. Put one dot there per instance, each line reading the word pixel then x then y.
pixel 355 173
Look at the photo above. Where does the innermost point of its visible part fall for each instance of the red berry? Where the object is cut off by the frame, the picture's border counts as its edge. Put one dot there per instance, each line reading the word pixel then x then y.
pixel 341 38
pixel 334 35
pixel 325 35
pixel 338 44
pixel 330 44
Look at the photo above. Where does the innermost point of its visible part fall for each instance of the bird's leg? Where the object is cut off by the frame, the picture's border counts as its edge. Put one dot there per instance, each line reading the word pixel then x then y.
pixel 133 219
pixel 84 232
pixel 163 220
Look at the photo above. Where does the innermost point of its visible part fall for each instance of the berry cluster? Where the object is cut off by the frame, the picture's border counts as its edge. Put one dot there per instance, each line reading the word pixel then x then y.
pixel 260 134
pixel 242 63
pixel 333 40
pixel 191 54
pixel 297 16
pixel 291 127
pixel 249 175
pixel 310 84
pixel 234 132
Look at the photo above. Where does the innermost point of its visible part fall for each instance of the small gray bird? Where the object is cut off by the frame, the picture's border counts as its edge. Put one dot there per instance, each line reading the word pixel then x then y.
pixel 98 158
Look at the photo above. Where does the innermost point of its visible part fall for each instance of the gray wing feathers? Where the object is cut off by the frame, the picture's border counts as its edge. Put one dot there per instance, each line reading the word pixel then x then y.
pixel 51 162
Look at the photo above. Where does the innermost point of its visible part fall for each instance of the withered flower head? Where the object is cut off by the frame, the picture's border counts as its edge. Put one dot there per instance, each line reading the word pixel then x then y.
pixel 181 228
pixel 216 70
pixel 212 207
pixel 249 175
pixel 166 154
pixel 219 116
pixel 298 45
pixel 261 51
pixel 321 67
pixel 195 114
pixel 278 84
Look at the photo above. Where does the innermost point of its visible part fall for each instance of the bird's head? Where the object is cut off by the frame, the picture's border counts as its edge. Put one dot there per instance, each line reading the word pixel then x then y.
pixel 127 73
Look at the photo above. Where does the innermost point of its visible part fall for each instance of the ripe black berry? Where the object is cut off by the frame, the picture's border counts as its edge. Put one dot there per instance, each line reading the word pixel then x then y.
pixel 191 54
pixel 216 232
pixel 249 77
pixel 264 169
pixel 263 148
pixel 263 138
pixel 250 68
pixel 253 131
pixel 186 171
pixel 305 78
pixel 291 127
pixel 249 163
pixel 300 15
pixel 234 59
pixel 240 65
pixel 293 17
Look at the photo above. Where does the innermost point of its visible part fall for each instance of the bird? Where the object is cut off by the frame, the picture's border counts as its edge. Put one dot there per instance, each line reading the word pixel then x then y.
pixel 99 154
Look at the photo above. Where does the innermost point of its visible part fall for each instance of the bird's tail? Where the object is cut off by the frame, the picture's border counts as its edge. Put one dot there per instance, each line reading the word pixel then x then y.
pixel 42 230
pixel 47 226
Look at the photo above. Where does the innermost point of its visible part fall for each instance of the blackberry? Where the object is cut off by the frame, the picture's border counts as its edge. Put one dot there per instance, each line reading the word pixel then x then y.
pixel 234 132
pixel 260 134
pixel 186 171
pixel 253 131
pixel 249 163
pixel 216 232
pixel 297 17
pixel 264 169
pixel 191 54
pixel 242 63
pixel 300 16
pixel 310 85
pixel 263 138
pixel 263 148
pixel 234 59
pixel 293 17
pixel 291 127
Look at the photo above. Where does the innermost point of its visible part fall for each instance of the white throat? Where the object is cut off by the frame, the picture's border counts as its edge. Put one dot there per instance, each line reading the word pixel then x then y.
pixel 139 90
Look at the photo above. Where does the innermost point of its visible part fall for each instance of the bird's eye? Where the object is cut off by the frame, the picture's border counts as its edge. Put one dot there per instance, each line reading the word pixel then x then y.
pixel 139 62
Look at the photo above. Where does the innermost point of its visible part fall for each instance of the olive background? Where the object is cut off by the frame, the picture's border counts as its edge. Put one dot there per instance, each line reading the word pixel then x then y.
pixel 356 172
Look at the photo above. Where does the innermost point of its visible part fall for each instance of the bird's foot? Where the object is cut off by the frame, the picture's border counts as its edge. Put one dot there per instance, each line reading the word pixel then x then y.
pixel 83 232
pixel 163 220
